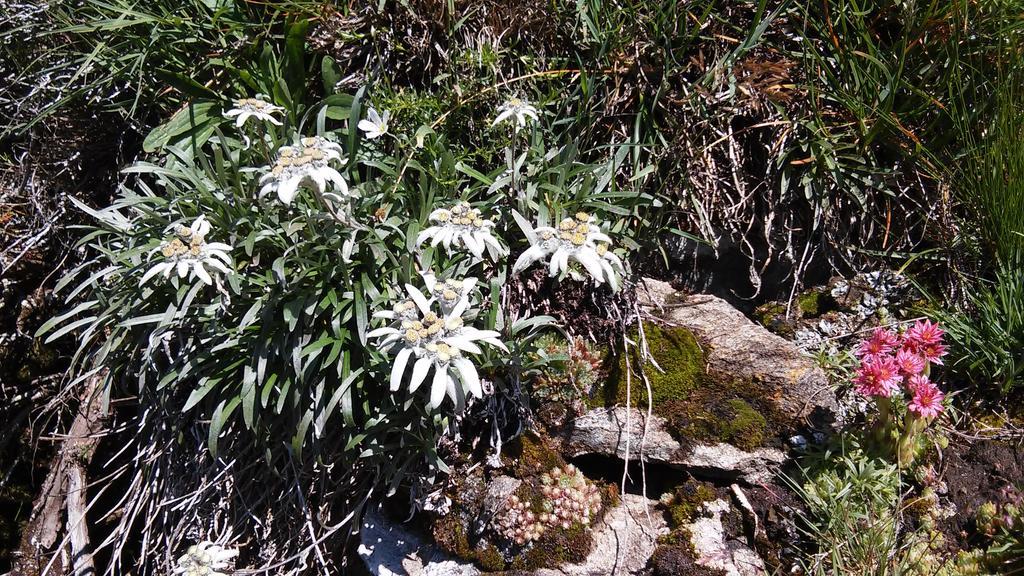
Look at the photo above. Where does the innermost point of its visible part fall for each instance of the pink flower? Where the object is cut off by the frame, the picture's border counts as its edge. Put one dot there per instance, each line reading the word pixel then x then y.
pixel 910 362
pixel 878 376
pixel 882 341
pixel 927 401
pixel 922 333
pixel 933 352
pixel 916 381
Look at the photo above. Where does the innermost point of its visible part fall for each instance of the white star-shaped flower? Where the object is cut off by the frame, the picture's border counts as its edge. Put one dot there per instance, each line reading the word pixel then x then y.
pixel 307 165
pixel 517 108
pixel 462 226
pixel 205 559
pixel 188 252
pixel 576 239
pixel 375 125
pixel 435 342
pixel 258 108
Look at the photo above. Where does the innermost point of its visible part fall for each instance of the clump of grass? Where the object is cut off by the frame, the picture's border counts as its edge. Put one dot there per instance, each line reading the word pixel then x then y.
pixel 987 334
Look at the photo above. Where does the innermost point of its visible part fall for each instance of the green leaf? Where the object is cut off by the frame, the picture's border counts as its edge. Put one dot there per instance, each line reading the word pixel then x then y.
pixel 354 115
pixel 183 121
pixel 217 421
pixel 197 395
pixel 292 310
pixel 185 84
pixel 330 74
pixel 294 65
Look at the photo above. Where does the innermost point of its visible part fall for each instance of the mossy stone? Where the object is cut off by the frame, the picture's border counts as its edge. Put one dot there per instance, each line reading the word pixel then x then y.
pixel 678 354
pixel 679 561
pixel 742 426
pixel 814 303
pixel 532 455
pixel 696 405
pixel 687 500
pixel 450 535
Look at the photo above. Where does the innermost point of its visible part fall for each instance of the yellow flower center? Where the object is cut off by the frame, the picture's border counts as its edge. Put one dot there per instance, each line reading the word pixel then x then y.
pixel 442 216
pixel 578 239
pixel 567 224
pixel 583 217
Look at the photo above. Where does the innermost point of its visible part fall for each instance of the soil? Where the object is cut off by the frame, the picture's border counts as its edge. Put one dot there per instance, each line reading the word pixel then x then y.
pixel 974 473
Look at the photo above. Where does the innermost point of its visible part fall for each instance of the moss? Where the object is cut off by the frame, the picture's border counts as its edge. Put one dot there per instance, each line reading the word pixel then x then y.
pixel 814 303
pixel 532 455
pixel 739 412
pixel 697 406
pixel 490 559
pixel 687 500
pixel 768 314
pixel 450 535
pixel 679 561
pixel 680 358
pixel 557 547
pixel 773 317
pixel 743 426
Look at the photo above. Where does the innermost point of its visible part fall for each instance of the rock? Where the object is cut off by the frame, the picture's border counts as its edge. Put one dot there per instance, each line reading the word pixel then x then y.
pixel 736 347
pixel 715 549
pixel 624 541
pixel 604 431
pixel 391 549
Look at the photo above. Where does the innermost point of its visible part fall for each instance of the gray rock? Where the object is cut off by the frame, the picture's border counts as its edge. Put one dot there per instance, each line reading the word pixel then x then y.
pixel 391 549
pixel 605 432
pixel 624 541
pixel 736 347
pixel 715 549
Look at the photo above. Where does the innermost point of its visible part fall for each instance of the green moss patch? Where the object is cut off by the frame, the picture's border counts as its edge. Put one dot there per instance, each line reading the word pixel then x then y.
pixel 531 456
pixel 685 502
pixel 678 354
pixel 696 406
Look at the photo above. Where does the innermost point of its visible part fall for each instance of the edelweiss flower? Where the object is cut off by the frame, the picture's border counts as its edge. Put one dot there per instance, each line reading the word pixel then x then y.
pixel 254 107
pixel 578 238
pixel 520 109
pixel 305 165
pixel 187 251
pixel 435 342
pixel 375 125
pixel 463 226
pixel 450 293
pixel 205 559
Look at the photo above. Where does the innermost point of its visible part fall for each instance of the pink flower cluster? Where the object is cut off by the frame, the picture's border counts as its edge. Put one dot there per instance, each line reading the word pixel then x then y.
pixel 891 361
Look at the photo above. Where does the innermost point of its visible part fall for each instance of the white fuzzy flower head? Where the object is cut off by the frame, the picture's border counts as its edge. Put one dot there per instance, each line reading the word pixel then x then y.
pixel 375 125
pixel 463 227
pixel 577 239
pixel 435 340
pixel 187 252
pixel 307 165
pixel 518 110
pixel 258 108
pixel 206 559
